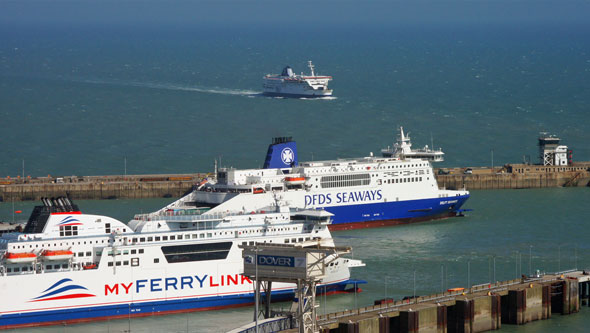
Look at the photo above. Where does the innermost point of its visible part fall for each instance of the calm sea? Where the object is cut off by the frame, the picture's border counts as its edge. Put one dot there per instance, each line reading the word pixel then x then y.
pixel 82 100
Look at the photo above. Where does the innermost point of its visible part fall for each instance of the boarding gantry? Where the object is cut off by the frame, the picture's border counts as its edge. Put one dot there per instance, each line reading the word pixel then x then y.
pixel 304 264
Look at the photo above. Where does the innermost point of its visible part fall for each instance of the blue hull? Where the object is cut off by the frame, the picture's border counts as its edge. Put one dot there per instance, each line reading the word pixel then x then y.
pixel 104 312
pixel 395 212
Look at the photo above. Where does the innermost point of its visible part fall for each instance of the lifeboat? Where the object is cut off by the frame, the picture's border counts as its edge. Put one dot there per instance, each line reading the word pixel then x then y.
pixel 294 180
pixel 455 289
pixel 258 190
pixel 90 266
pixel 57 255
pixel 15 258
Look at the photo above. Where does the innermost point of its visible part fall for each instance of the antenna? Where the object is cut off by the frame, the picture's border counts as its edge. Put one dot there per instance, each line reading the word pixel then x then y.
pixel 311 67
pixel 431 142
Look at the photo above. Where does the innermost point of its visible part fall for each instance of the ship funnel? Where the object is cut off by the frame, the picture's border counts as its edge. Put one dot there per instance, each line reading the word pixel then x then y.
pixel 288 71
pixel 282 153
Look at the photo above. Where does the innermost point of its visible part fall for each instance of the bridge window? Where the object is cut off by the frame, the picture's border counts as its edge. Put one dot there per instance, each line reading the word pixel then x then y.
pixel 196 252
pixel 345 180
pixel 68 230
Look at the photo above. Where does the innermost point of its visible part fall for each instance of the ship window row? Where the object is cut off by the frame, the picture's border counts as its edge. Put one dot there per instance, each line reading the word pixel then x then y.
pixel 404 180
pixel 166 238
pixel 345 180
pixel 296 240
pixel 126 252
pixel 403 166
pixel 118 263
pixel 19 269
pixel 55 244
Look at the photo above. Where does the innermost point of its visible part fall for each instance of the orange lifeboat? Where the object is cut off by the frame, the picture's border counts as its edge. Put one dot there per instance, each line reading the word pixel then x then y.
pixel 258 190
pixel 57 254
pixel 455 289
pixel 16 258
pixel 294 180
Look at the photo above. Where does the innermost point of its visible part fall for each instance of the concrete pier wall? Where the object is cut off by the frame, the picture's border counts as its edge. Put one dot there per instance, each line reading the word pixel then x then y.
pixel 106 187
pixel 480 309
pixel 513 181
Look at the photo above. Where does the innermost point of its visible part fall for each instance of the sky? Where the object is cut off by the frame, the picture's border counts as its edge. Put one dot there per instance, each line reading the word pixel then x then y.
pixel 223 13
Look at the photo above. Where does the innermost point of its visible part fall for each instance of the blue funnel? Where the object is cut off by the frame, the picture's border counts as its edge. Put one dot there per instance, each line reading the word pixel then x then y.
pixel 282 153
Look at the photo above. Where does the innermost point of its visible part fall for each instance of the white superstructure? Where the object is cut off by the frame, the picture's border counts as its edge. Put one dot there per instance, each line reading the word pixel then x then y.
pixel 290 84
pixel 403 149
pixel 67 266
pixel 360 192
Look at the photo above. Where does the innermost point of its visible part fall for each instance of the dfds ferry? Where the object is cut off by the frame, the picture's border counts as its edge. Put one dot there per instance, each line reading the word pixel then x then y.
pixel 289 84
pixel 360 192
pixel 71 267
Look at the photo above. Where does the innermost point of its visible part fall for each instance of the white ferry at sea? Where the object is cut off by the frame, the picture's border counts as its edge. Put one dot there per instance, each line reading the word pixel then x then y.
pixel 403 149
pixel 360 192
pixel 289 84
pixel 69 267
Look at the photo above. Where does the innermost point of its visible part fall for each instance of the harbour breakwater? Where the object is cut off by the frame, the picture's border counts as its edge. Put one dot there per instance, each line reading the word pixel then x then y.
pixel 515 176
pixel 510 176
pixel 98 187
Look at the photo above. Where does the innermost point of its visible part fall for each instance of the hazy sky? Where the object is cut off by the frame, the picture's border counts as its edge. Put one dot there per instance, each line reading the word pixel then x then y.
pixel 296 13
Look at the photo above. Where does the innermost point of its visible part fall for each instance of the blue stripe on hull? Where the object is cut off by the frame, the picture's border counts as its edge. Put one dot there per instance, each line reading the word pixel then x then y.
pixel 83 314
pixel 422 209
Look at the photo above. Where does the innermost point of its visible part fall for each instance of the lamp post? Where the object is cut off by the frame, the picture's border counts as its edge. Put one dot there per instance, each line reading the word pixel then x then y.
pixel 494 269
pixel 442 278
pixel 257 288
pixel 559 258
pixel 414 285
pixel 530 260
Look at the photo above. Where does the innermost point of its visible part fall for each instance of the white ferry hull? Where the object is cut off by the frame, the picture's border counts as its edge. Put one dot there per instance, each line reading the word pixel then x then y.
pixel 372 209
pixel 82 296
pixel 299 94
pixel 156 264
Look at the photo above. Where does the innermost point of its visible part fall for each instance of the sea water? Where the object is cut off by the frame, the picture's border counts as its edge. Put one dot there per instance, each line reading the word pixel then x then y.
pixel 95 102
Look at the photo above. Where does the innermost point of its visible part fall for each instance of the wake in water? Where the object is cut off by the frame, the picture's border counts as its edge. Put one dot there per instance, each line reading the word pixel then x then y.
pixel 327 98
pixel 172 86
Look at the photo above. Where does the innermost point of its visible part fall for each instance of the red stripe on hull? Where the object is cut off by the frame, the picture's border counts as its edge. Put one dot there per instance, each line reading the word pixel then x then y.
pixel 134 315
pixel 387 223
pixel 67 213
pixel 65 297
pixel 146 314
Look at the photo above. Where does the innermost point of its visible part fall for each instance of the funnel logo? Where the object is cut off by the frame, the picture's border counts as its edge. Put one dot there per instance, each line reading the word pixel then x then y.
pixel 70 220
pixel 62 289
pixel 287 156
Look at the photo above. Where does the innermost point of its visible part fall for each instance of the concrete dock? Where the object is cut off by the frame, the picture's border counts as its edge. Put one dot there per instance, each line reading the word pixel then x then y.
pixel 477 309
pixel 98 187
pixel 514 176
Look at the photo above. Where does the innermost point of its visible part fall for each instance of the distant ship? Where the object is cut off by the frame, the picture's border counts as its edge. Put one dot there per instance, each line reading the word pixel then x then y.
pixel 402 149
pixel 289 84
